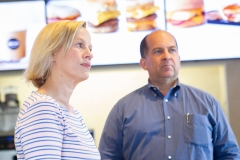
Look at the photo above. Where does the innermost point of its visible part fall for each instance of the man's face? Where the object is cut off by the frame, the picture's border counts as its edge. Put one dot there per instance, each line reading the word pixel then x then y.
pixel 162 60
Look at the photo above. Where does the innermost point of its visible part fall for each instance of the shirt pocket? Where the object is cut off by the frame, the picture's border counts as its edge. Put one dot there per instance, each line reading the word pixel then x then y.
pixel 198 130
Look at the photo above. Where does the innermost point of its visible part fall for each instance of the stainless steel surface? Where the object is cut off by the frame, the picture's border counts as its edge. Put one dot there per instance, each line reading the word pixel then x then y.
pixel 9 109
pixel 8 119
pixel 7 154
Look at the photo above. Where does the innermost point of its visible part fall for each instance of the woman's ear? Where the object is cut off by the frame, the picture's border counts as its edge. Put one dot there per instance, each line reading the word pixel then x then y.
pixel 53 57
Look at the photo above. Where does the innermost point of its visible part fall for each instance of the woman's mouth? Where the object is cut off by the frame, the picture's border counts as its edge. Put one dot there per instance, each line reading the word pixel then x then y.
pixel 87 65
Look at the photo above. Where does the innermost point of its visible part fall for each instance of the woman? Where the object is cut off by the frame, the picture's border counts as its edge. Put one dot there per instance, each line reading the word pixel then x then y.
pixel 48 127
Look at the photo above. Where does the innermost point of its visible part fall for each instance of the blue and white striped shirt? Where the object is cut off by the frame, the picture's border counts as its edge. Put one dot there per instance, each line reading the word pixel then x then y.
pixel 46 130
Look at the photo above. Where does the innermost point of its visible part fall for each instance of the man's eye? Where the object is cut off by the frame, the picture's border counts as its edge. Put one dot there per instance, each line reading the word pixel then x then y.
pixel 172 50
pixel 158 51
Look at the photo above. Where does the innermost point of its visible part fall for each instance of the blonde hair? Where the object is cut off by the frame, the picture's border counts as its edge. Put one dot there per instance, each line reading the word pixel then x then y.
pixel 52 38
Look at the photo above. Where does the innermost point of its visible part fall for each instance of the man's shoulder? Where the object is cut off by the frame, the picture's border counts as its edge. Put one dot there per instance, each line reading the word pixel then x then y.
pixel 137 93
pixel 130 100
pixel 194 90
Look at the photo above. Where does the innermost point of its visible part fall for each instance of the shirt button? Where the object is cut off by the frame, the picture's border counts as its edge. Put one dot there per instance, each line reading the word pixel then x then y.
pixel 166 100
pixel 169 137
pixel 155 95
pixel 168 117
pixel 154 89
pixel 169 157
pixel 175 95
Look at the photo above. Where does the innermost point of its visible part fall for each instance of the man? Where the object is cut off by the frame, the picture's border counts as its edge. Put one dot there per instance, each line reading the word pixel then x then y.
pixel 166 119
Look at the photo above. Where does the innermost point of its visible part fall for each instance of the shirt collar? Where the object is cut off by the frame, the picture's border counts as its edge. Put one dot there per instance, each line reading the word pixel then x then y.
pixel 173 92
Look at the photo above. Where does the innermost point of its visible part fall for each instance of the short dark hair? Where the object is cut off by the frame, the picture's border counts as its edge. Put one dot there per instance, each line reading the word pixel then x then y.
pixel 144 46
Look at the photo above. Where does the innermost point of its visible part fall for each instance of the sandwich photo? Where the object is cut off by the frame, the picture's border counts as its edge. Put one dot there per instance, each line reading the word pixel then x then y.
pixel 232 12
pixel 56 12
pixel 141 15
pixel 225 14
pixel 102 16
pixel 185 13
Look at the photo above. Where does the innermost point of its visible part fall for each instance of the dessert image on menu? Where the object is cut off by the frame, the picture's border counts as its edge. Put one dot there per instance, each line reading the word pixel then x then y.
pixel 56 12
pixel 102 16
pixel 185 13
pixel 141 15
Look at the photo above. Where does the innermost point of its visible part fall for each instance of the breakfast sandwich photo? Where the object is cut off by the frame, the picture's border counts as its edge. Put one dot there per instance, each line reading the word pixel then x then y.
pixel 185 13
pixel 141 15
pixel 102 16
pixel 223 12
pixel 57 10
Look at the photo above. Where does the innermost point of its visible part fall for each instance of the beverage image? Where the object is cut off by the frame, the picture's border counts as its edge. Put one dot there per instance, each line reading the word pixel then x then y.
pixel 12 46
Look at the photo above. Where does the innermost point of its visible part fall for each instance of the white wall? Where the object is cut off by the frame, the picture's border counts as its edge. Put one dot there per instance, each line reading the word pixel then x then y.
pixel 95 97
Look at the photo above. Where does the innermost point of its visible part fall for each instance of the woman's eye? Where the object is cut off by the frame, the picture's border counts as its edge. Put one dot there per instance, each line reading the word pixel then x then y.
pixel 80 45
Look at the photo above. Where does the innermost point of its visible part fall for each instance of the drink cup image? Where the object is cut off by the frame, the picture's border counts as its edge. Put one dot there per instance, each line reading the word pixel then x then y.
pixel 12 45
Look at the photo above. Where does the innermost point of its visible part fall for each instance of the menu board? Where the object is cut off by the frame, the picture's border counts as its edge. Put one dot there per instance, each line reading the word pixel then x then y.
pixel 115 39
pixel 204 29
pixel 116 26
pixel 21 21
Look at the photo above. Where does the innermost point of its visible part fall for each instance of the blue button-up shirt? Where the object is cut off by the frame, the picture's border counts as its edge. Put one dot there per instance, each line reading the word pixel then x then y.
pixel 186 124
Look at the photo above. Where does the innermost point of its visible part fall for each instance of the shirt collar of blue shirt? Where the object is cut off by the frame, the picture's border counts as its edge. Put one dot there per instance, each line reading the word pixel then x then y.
pixel 173 92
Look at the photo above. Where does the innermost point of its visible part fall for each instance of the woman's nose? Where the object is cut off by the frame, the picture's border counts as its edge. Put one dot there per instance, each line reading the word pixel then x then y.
pixel 88 54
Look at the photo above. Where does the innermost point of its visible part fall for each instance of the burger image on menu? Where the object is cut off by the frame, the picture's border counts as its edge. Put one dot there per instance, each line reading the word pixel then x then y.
pixel 140 15
pixel 227 13
pixel 232 12
pixel 102 16
pixel 60 12
pixel 185 13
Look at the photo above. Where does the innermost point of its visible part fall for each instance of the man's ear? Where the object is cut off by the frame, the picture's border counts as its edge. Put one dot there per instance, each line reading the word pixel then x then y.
pixel 143 63
pixel 180 62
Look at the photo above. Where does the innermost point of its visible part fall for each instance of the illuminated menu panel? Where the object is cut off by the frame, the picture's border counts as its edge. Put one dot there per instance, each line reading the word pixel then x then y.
pixel 204 29
pixel 21 22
